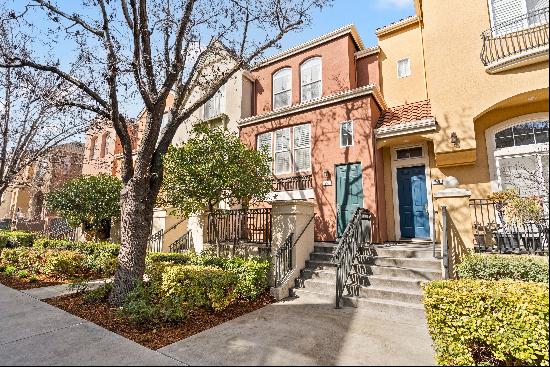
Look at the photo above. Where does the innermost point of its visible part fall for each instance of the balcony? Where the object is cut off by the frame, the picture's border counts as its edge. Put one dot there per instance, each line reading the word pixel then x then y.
pixel 292 188
pixel 518 42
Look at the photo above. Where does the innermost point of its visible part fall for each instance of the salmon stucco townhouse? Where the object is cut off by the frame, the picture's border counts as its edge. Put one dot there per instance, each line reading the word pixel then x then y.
pixel 315 109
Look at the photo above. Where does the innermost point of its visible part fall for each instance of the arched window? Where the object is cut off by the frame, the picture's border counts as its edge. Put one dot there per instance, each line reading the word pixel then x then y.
pixel 93 147
pixel 310 77
pixel 106 145
pixel 518 155
pixel 282 88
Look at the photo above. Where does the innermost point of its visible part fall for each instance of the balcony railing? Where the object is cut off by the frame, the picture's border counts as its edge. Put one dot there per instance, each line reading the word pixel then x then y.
pixel 293 183
pixel 517 36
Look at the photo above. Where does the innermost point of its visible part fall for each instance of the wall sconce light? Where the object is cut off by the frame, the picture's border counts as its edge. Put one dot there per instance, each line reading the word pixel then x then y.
pixel 454 139
pixel 326 174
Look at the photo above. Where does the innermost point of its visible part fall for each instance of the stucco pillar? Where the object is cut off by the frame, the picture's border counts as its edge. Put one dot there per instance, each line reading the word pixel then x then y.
pixel 197 225
pixel 460 235
pixel 292 217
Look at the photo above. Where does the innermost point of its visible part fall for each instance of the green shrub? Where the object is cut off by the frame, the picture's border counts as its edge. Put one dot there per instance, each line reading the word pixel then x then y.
pixel 100 257
pixel 22 274
pixel 488 322
pixel 199 286
pixel 24 258
pixel 15 239
pixel 99 294
pixel 495 267
pixel 10 270
pixel 252 273
pixel 64 263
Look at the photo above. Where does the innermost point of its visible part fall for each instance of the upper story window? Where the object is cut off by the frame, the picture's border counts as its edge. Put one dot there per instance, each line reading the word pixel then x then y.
pixel 311 79
pixel 106 144
pixel 346 134
pixel 525 134
pixel 93 147
pixel 509 15
pixel 290 147
pixel 282 88
pixel 215 105
pixel 404 68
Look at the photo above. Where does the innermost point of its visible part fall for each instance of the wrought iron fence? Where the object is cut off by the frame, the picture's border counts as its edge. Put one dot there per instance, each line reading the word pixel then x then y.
pixel 154 243
pixel 182 244
pixel 59 229
pixel 493 234
pixel 252 226
pixel 518 35
pixel 293 183
pixel 284 260
pixel 358 233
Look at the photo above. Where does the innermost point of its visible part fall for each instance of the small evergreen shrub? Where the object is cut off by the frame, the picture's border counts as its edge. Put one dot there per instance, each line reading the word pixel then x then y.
pixel 480 322
pixel 15 239
pixel 64 263
pixel 495 267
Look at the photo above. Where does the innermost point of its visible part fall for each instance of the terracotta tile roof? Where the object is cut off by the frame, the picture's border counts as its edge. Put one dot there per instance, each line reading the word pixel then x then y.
pixel 416 111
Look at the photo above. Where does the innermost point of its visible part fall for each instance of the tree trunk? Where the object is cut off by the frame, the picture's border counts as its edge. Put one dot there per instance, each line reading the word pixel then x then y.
pixel 136 221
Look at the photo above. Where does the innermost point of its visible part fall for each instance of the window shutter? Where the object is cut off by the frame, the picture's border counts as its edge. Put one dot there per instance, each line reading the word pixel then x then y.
pixel 302 144
pixel 503 11
pixel 264 142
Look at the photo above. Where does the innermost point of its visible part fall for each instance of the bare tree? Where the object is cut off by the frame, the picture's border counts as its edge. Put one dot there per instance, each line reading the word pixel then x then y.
pixel 144 50
pixel 31 122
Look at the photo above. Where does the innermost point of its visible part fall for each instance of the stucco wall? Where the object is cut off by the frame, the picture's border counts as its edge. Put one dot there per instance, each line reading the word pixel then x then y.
pixel 338 69
pixel 458 86
pixel 368 70
pixel 396 45
pixel 326 153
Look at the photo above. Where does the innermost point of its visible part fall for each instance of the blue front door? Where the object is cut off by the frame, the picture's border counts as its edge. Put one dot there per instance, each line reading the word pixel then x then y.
pixel 413 202
pixel 349 194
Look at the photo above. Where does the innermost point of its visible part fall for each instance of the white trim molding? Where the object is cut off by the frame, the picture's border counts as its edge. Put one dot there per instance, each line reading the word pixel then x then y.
pixel 367 52
pixel 528 57
pixel 410 162
pixel 349 29
pixel 290 195
pixel 412 127
pixel 396 25
pixel 316 103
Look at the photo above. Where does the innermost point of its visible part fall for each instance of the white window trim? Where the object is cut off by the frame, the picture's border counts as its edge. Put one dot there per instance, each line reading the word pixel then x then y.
pixel 222 104
pixel 410 68
pixel 320 79
pixel 405 148
pixel 290 146
pixel 352 134
pixel 293 149
pixel 522 150
pixel 411 162
pixel 285 91
pixel 271 137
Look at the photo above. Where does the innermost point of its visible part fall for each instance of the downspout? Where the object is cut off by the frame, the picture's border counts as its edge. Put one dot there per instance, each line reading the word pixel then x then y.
pixel 421 25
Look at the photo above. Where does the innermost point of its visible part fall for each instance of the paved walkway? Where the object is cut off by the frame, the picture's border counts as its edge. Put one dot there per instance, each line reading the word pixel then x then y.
pixel 61 289
pixel 35 333
pixel 308 332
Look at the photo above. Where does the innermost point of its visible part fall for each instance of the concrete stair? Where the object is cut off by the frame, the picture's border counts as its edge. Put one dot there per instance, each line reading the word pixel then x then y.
pixel 383 278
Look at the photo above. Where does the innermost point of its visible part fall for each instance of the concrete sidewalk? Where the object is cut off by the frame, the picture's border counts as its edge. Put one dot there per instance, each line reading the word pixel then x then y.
pixel 35 333
pixel 310 332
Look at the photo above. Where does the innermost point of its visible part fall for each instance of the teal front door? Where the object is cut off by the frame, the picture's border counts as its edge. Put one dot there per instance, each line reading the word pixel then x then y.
pixel 349 194
pixel 414 221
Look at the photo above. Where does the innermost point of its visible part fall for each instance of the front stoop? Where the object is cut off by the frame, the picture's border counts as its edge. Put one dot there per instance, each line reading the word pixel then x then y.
pixel 387 278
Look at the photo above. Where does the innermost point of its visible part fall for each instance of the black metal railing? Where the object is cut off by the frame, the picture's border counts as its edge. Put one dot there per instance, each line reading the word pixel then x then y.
pixel 182 244
pixel 516 36
pixel 252 226
pixel 59 229
pixel 293 183
pixel 154 243
pixel 284 260
pixel 492 233
pixel 358 233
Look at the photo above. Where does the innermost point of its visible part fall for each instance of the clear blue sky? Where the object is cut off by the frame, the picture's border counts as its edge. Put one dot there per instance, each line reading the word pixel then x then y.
pixel 367 15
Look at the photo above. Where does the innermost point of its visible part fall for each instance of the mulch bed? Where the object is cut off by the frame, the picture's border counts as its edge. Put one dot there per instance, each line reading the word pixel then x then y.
pixel 24 284
pixel 161 334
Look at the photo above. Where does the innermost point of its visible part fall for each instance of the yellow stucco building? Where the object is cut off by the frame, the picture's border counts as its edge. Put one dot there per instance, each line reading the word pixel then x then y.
pixel 466 83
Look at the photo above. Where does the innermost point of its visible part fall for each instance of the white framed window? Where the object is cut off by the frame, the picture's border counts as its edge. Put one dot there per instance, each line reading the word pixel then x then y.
pixel 282 88
pixel 264 142
pixel 215 105
pixel 510 15
pixel 409 153
pixel 93 150
pixel 302 148
pixel 404 68
pixel 518 155
pixel 346 134
pixel 311 79
pixel 106 144
pixel 282 151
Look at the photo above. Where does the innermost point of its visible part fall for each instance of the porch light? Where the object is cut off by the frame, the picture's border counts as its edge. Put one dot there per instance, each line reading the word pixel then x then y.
pixel 454 139
pixel 326 174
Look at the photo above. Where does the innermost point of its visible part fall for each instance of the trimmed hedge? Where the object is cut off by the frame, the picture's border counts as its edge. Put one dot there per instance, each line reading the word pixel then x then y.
pixel 57 263
pixel 98 256
pixel 252 273
pixel 496 267
pixel 488 322
pixel 15 238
